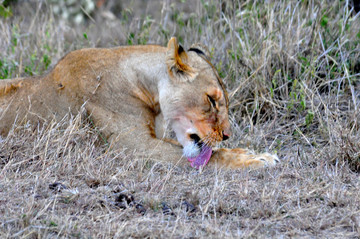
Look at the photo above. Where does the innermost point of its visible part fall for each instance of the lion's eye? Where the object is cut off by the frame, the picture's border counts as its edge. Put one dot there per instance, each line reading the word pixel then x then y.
pixel 212 101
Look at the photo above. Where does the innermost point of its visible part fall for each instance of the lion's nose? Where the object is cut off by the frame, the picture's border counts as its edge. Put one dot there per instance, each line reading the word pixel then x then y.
pixel 226 135
pixel 196 139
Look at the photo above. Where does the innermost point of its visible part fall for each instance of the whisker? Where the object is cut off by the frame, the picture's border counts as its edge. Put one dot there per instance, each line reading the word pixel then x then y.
pixel 207 140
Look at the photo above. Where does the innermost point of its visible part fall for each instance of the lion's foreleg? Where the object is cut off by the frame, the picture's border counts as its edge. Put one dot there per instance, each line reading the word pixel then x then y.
pixel 242 158
pixel 132 133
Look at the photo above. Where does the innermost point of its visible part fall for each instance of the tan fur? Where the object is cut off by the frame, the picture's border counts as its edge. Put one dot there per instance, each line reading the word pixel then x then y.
pixel 140 97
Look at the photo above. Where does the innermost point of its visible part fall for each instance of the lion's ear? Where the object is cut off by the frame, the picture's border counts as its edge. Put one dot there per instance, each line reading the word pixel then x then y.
pixel 200 49
pixel 176 61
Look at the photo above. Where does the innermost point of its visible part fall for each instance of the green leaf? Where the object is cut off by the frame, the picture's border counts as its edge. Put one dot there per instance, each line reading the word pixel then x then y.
pixel 309 118
pixel 46 60
pixel 324 21
pixel 5 12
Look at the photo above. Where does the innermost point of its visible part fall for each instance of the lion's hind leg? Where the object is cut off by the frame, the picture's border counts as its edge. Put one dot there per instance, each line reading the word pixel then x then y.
pixel 242 158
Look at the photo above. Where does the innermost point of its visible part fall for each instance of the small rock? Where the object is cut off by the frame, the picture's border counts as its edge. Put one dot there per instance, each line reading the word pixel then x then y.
pixel 166 209
pixel 188 206
pixel 57 187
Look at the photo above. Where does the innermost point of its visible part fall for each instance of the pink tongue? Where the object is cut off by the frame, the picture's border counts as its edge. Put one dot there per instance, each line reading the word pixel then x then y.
pixel 202 159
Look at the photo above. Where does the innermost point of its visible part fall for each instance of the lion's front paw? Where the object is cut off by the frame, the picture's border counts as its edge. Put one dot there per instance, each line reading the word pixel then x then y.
pixel 267 159
pixel 242 158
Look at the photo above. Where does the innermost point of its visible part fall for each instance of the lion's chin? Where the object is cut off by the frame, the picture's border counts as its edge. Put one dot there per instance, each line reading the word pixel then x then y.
pixel 191 150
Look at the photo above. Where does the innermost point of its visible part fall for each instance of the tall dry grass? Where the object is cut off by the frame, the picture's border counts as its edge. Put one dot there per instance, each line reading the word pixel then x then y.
pixel 292 71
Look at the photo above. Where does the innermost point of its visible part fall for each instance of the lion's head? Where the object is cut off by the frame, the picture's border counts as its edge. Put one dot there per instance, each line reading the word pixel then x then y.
pixel 194 100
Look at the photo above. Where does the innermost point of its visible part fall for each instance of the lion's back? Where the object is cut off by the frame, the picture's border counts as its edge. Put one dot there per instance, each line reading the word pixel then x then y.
pixel 80 76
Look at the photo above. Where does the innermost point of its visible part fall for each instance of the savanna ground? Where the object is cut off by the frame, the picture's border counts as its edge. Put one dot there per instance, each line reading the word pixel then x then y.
pixel 292 69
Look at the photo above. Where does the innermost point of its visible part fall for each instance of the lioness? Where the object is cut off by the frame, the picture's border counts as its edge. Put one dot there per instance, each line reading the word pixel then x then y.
pixel 140 97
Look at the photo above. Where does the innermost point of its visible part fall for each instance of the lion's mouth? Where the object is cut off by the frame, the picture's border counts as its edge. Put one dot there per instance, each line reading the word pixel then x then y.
pixel 205 153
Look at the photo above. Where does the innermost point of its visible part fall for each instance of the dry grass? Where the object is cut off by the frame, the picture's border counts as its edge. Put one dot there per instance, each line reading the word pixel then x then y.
pixel 292 69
